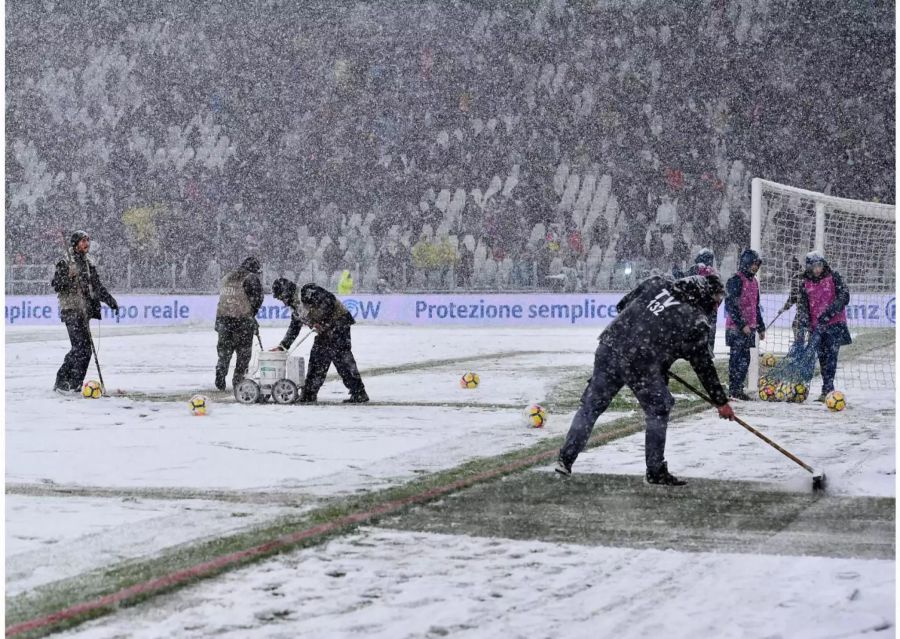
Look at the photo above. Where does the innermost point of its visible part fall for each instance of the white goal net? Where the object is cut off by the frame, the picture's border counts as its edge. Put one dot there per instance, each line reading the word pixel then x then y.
pixel 858 241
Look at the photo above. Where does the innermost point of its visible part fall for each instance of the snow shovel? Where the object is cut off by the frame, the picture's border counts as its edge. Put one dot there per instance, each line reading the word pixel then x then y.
pixel 818 477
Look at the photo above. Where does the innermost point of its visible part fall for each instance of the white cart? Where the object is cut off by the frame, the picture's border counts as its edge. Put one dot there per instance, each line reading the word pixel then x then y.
pixel 278 375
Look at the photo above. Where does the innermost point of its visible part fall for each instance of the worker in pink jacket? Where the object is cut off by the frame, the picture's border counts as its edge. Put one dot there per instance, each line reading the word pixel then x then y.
pixel 821 310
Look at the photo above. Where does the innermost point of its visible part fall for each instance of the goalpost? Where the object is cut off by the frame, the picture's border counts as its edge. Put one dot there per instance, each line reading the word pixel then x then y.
pixel 858 240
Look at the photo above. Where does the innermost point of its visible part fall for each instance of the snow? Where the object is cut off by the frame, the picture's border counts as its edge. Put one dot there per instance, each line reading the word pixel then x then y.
pixel 89 532
pixel 855 448
pixel 392 584
pixel 144 476
pixel 143 450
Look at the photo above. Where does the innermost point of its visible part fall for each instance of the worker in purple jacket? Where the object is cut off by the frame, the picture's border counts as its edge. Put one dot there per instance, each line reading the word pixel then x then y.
pixel 743 320
pixel 821 309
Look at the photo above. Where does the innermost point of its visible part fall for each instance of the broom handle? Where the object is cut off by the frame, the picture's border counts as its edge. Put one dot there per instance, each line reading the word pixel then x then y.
pixel 740 421
pixel 300 342
pixel 96 359
pixel 774 319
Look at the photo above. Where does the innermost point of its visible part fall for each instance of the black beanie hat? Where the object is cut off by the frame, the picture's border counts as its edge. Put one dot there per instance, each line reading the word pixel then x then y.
pixel 77 236
pixel 283 289
pixel 251 264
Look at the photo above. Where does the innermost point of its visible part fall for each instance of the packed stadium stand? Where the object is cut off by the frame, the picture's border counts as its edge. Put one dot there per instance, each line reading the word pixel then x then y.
pixel 479 145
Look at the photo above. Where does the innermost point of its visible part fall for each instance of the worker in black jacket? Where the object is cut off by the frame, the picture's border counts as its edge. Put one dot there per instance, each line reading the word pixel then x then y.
pixel 822 300
pixel 795 282
pixel 80 292
pixel 240 296
pixel 325 314
pixel 660 321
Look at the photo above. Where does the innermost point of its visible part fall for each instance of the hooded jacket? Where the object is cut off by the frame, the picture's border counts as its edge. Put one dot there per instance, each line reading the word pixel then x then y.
pixel 241 293
pixel 663 320
pixel 80 296
pixel 742 307
pixel 317 308
pixel 796 281
pixel 822 302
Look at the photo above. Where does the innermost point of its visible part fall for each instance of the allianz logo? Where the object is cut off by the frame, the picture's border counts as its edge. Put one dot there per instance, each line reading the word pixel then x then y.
pixel 360 309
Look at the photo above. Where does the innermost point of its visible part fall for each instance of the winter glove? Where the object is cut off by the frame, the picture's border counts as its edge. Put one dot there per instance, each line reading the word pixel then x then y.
pixel 725 412
pixel 762 334
pixel 114 305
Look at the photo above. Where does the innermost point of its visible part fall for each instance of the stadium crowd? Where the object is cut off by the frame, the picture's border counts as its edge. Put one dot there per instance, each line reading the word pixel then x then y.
pixel 560 145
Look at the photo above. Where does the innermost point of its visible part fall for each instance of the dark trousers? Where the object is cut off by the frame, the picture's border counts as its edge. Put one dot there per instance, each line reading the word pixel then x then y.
pixel 738 365
pixel 70 375
pixel 235 336
pixel 828 358
pixel 739 359
pixel 328 348
pixel 610 375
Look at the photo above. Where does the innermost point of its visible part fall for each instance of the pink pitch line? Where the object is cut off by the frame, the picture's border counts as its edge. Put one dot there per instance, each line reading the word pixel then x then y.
pixel 209 567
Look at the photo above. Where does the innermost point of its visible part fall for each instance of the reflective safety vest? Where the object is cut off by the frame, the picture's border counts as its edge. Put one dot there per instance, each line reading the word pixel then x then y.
pixel 233 300
pixel 345 284
pixel 76 298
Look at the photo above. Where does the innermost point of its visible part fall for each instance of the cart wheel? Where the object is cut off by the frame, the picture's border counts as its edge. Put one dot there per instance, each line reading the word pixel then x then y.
pixel 284 391
pixel 247 392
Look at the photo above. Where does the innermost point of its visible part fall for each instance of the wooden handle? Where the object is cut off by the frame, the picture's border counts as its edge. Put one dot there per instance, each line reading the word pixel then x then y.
pixel 740 421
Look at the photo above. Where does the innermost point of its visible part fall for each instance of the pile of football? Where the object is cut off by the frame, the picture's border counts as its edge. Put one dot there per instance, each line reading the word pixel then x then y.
pixel 775 390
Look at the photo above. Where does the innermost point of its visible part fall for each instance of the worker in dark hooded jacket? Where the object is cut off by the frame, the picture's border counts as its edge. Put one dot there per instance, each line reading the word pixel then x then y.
pixel 796 281
pixel 325 314
pixel 743 320
pixel 240 296
pixel 704 265
pixel 660 321
pixel 80 292
pixel 822 309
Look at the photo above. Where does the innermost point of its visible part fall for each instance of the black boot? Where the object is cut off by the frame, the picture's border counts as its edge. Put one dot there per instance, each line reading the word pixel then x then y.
pixel 357 398
pixel 663 477
pixel 220 381
pixel 306 398
pixel 563 467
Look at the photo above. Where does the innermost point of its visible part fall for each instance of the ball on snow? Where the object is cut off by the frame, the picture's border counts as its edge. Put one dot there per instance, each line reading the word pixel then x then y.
pixel 92 389
pixel 469 380
pixel 835 401
pixel 199 405
pixel 535 416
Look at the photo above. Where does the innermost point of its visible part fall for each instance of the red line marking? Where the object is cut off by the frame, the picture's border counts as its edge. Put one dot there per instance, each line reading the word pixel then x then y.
pixel 284 541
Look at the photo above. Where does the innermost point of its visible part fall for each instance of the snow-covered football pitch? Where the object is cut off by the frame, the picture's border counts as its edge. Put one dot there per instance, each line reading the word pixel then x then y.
pixel 103 495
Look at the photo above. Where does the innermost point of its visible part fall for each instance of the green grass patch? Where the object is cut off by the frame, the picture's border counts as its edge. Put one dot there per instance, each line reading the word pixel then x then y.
pixel 566 395
pixel 89 586
pixel 869 341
